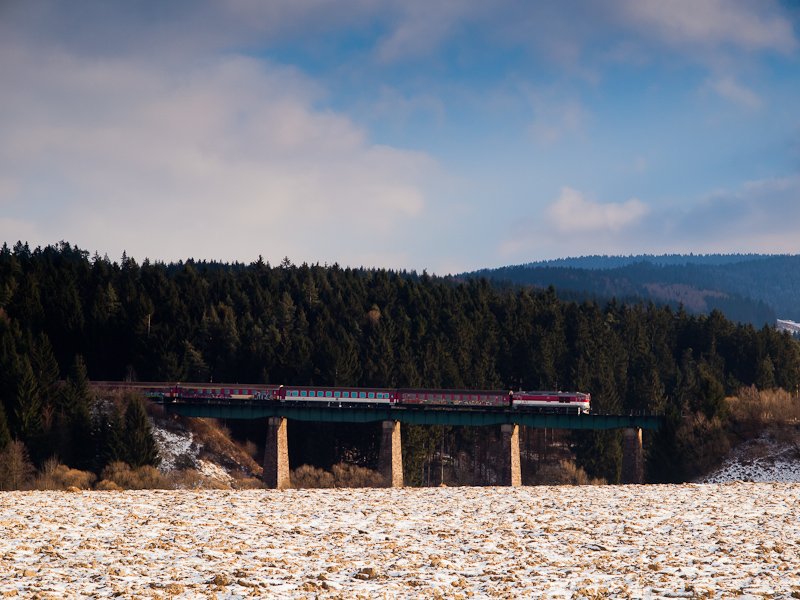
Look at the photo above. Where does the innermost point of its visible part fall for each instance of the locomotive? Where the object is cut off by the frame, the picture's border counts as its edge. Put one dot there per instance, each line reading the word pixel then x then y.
pixel 344 396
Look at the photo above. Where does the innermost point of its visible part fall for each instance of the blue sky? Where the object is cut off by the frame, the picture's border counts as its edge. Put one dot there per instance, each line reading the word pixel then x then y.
pixel 444 135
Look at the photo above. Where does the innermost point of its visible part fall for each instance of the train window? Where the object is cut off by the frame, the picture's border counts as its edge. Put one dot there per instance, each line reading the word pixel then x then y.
pixel 304 393
pixel 328 395
pixel 362 395
pixel 345 394
pixel 337 394
pixel 371 395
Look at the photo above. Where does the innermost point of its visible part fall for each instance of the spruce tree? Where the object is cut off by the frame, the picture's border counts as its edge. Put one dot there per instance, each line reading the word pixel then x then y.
pixel 77 409
pixel 5 434
pixel 28 405
pixel 140 447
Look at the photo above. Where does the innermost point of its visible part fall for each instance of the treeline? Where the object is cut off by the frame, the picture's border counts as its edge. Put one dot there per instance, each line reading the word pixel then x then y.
pixel 327 325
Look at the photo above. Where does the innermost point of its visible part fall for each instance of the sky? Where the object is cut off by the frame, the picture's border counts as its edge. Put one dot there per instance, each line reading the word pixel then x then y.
pixel 445 135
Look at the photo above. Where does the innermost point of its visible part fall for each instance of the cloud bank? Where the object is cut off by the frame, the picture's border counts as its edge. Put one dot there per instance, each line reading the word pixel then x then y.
pixel 225 157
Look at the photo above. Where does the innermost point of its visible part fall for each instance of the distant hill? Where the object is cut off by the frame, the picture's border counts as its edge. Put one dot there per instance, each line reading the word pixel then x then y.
pixel 750 288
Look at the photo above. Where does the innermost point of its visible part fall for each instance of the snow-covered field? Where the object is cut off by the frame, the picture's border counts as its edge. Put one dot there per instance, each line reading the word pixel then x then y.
pixel 713 540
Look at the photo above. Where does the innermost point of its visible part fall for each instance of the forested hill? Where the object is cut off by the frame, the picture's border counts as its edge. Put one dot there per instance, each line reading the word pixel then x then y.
pixel 750 288
pixel 327 325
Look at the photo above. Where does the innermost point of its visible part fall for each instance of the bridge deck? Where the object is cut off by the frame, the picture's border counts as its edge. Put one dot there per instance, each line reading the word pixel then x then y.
pixel 413 416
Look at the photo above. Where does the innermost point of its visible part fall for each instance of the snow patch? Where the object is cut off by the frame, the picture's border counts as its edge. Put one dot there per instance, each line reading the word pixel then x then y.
pixel 759 460
pixel 213 471
pixel 175 448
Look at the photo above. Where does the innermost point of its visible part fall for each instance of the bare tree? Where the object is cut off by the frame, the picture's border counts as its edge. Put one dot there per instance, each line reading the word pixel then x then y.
pixel 16 469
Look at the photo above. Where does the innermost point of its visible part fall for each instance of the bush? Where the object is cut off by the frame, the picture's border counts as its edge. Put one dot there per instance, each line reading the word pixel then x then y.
pixel 247 483
pixel 307 476
pixel 566 472
pixel 142 478
pixel 343 475
pixel 352 476
pixel 107 486
pixel 752 410
pixel 55 476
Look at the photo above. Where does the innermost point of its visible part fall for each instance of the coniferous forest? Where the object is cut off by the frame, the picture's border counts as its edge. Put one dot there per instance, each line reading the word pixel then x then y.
pixel 67 317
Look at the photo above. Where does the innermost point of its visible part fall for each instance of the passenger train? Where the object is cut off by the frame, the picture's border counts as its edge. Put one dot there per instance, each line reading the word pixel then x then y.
pixel 344 396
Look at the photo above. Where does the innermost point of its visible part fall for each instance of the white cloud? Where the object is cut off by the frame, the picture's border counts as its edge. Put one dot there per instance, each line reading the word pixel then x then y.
pixel 225 157
pixel 573 213
pixel 689 24
pixel 731 90
pixel 758 216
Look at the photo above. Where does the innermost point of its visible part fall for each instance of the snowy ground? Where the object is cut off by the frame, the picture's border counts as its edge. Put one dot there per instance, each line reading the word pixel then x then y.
pixel 712 540
pixel 761 459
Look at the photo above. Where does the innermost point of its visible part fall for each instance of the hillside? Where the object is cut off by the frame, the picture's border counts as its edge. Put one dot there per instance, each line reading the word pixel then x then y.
pixel 756 289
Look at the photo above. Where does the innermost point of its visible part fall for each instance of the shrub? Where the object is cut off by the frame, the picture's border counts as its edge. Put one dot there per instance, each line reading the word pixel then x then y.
pixel 566 472
pixel 353 476
pixel 247 483
pixel 307 476
pixel 753 410
pixel 107 486
pixel 142 478
pixel 55 476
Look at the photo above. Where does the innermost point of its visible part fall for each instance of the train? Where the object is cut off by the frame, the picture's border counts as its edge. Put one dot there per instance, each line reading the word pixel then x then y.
pixel 347 396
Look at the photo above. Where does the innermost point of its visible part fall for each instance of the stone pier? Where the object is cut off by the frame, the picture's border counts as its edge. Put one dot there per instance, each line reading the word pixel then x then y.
pixel 390 462
pixel 512 471
pixel 632 456
pixel 276 455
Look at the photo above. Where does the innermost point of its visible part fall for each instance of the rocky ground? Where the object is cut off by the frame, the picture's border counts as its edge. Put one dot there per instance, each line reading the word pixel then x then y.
pixel 694 540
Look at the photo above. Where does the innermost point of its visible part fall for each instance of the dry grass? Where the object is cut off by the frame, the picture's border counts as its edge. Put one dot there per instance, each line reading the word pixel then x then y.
pixel 217 445
pixel 192 479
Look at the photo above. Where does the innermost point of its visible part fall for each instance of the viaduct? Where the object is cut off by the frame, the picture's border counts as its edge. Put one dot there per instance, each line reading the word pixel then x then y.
pixel 276 454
